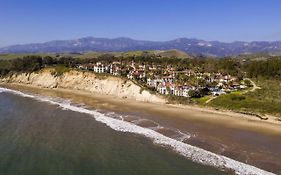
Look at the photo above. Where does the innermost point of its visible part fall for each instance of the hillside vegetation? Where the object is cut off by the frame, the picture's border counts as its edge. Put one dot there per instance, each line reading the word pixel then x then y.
pixel 266 100
pixel 87 55
pixel 266 73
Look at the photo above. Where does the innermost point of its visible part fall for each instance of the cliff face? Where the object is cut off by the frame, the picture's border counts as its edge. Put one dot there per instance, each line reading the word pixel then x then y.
pixel 86 81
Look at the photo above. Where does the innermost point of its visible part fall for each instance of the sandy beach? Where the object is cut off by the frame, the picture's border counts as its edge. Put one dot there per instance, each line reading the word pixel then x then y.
pixel 203 114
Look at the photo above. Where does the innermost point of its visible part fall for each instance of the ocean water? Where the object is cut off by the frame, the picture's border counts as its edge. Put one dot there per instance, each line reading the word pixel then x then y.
pixel 42 135
pixel 41 138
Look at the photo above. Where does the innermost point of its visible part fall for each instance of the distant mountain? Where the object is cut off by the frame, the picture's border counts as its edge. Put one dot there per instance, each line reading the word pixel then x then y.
pixel 191 46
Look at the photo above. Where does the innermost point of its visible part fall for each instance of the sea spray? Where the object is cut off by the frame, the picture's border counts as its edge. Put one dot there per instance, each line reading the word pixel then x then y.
pixel 191 152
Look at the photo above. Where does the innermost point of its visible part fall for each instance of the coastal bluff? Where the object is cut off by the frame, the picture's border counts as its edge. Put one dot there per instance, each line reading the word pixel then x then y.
pixel 87 82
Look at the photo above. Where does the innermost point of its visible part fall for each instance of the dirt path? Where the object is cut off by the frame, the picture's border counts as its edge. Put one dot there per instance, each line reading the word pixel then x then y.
pixel 212 98
pixel 255 87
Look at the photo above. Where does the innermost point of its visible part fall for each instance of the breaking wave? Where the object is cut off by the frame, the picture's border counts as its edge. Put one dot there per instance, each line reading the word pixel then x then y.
pixel 193 153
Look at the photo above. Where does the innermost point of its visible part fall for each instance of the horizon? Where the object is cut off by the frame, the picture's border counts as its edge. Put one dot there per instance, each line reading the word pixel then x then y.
pixel 44 21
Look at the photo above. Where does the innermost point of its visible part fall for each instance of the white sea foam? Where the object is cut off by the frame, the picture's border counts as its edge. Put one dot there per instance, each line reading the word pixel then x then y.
pixel 191 152
pixel 183 136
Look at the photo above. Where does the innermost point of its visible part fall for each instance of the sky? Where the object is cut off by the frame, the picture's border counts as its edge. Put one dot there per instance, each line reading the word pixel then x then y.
pixel 29 21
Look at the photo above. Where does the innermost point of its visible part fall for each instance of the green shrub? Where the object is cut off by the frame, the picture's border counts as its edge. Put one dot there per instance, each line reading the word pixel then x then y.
pixel 178 100
pixel 194 94
pixel 237 97
pixel 101 76
pixel 248 83
pixel 60 70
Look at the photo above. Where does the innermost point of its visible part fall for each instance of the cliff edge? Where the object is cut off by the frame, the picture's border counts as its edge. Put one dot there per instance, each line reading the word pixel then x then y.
pixel 86 81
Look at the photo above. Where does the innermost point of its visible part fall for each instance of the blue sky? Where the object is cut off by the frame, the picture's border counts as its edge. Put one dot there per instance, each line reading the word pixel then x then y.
pixel 26 21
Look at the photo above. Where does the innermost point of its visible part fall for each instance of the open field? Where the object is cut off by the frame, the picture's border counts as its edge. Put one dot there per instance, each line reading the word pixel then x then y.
pixel 266 100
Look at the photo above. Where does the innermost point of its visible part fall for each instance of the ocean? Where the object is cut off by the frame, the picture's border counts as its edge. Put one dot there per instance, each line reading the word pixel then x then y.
pixel 47 135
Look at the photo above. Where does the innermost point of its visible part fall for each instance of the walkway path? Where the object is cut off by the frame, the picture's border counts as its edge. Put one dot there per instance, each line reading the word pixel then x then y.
pixel 255 87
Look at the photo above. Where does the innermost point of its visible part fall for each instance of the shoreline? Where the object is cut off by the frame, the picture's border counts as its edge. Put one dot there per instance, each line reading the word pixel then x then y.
pixel 203 114
pixel 191 152
pixel 220 133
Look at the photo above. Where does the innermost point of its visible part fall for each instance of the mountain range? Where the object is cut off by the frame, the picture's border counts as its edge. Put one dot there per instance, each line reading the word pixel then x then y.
pixel 190 46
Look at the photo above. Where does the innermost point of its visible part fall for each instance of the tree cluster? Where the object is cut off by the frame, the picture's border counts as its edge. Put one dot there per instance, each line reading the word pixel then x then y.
pixel 270 68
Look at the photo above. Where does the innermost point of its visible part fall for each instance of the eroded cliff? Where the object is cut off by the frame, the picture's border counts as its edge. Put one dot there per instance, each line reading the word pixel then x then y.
pixel 86 81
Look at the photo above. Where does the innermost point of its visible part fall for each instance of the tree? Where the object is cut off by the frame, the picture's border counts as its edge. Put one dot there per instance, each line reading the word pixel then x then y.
pixel 194 94
pixel 204 91
pixel 47 60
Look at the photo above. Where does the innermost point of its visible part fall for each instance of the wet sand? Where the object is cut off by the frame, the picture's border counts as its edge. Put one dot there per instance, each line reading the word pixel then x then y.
pixel 240 137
